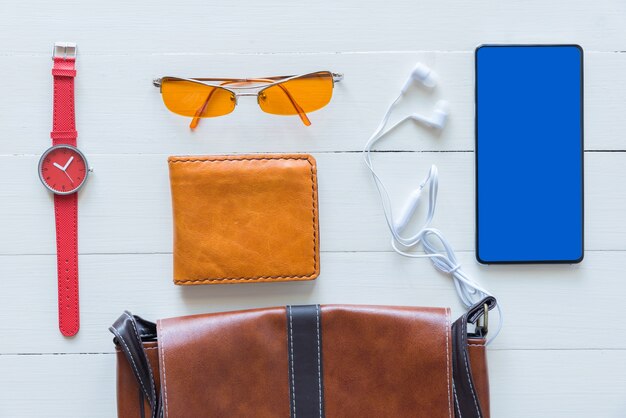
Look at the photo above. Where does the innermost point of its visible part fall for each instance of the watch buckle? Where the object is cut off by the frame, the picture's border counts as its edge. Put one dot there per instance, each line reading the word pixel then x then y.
pixel 64 50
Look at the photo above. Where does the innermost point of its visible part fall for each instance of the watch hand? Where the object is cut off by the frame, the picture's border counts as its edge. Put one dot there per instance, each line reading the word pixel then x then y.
pixel 68 163
pixel 68 176
pixel 58 166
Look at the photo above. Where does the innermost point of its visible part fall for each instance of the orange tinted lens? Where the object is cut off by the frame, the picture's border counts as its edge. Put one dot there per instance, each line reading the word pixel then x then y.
pixel 187 98
pixel 303 94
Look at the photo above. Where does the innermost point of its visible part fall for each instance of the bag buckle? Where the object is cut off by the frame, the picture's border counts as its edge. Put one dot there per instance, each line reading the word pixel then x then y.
pixel 64 50
pixel 482 325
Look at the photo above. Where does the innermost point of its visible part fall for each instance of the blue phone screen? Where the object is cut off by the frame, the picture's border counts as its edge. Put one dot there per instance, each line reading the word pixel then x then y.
pixel 529 154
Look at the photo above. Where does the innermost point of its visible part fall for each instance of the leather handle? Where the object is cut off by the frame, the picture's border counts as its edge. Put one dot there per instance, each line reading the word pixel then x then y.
pixel 130 333
pixel 466 401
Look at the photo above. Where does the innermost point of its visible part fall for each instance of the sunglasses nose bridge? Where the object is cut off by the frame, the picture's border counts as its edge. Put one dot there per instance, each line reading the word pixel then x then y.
pixel 256 94
pixel 246 94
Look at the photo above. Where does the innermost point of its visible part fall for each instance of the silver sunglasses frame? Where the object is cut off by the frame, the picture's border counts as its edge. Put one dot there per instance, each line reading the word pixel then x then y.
pixel 157 82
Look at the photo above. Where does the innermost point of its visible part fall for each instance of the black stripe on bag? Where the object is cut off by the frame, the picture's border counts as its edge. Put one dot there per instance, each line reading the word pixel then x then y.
pixel 466 402
pixel 306 384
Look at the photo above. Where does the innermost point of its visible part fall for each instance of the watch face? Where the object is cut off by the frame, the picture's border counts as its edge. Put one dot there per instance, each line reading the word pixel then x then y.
pixel 63 169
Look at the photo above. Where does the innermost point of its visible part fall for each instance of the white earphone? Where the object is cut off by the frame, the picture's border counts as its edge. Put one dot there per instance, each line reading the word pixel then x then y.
pixel 439 118
pixel 436 247
pixel 423 74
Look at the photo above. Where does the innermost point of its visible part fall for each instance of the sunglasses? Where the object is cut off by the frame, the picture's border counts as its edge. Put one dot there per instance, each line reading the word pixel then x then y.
pixel 283 95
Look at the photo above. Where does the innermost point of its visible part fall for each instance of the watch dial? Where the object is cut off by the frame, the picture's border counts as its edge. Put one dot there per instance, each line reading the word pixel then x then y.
pixel 63 169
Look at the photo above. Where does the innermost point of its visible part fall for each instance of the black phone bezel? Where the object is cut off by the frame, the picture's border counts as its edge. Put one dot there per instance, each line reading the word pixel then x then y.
pixel 582 156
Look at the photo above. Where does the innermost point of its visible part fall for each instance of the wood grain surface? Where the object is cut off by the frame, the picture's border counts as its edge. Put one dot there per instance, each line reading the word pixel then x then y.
pixel 562 352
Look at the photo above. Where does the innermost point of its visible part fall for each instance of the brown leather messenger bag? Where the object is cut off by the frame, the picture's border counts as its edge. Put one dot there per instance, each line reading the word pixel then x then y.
pixel 334 361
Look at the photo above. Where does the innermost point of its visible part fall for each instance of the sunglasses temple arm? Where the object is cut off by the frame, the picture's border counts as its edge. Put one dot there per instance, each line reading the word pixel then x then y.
pixel 200 111
pixel 196 119
pixel 303 116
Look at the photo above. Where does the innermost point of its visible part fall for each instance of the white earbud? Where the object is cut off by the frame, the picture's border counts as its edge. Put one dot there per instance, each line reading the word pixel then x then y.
pixel 422 74
pixel 412 203
pixel 439 118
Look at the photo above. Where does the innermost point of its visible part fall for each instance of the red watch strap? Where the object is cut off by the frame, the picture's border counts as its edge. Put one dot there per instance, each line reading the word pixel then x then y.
pixel 66 219
pixel 66 206
pixel 63 115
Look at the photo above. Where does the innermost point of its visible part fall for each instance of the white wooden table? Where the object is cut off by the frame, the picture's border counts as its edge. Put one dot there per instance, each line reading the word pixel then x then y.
pixel 563 350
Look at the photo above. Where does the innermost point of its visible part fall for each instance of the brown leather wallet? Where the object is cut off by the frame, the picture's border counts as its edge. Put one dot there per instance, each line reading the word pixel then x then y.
pixel 244 218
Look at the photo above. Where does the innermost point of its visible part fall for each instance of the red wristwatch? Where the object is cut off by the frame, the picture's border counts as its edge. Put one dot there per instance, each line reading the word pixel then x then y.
pixel 63 170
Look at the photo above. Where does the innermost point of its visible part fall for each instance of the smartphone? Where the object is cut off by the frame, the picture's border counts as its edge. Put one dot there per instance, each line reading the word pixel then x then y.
pixel 529 154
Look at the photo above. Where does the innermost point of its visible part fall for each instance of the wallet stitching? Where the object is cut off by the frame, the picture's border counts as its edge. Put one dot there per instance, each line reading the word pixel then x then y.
pixel 313 210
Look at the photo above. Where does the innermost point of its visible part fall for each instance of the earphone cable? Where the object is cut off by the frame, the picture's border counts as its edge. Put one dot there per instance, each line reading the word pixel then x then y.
pixel 436 246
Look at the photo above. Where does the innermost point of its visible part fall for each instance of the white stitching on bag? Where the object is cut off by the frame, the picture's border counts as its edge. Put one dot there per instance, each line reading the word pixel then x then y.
pixel 132 321
pixel 447 330
pixel 162 353
pixel 469 379
pixel 456 400
pixel 293 375
pixel 119 336
pixel 319 357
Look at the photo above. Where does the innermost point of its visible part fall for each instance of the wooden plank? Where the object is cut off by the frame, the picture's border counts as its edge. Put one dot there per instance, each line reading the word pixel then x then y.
pixel 524 384
pixel 563 350
pixel 119 111
pixel 546 306
pixel 58 386
pixel 126 206
pixel 539 384
pixel 275 26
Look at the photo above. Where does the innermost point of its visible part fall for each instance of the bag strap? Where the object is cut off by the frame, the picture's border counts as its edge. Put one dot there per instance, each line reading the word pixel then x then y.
pixel 130 333
pixel 466 401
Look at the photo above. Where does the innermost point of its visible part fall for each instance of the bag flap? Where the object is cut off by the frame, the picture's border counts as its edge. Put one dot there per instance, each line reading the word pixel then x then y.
pixel 368 361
